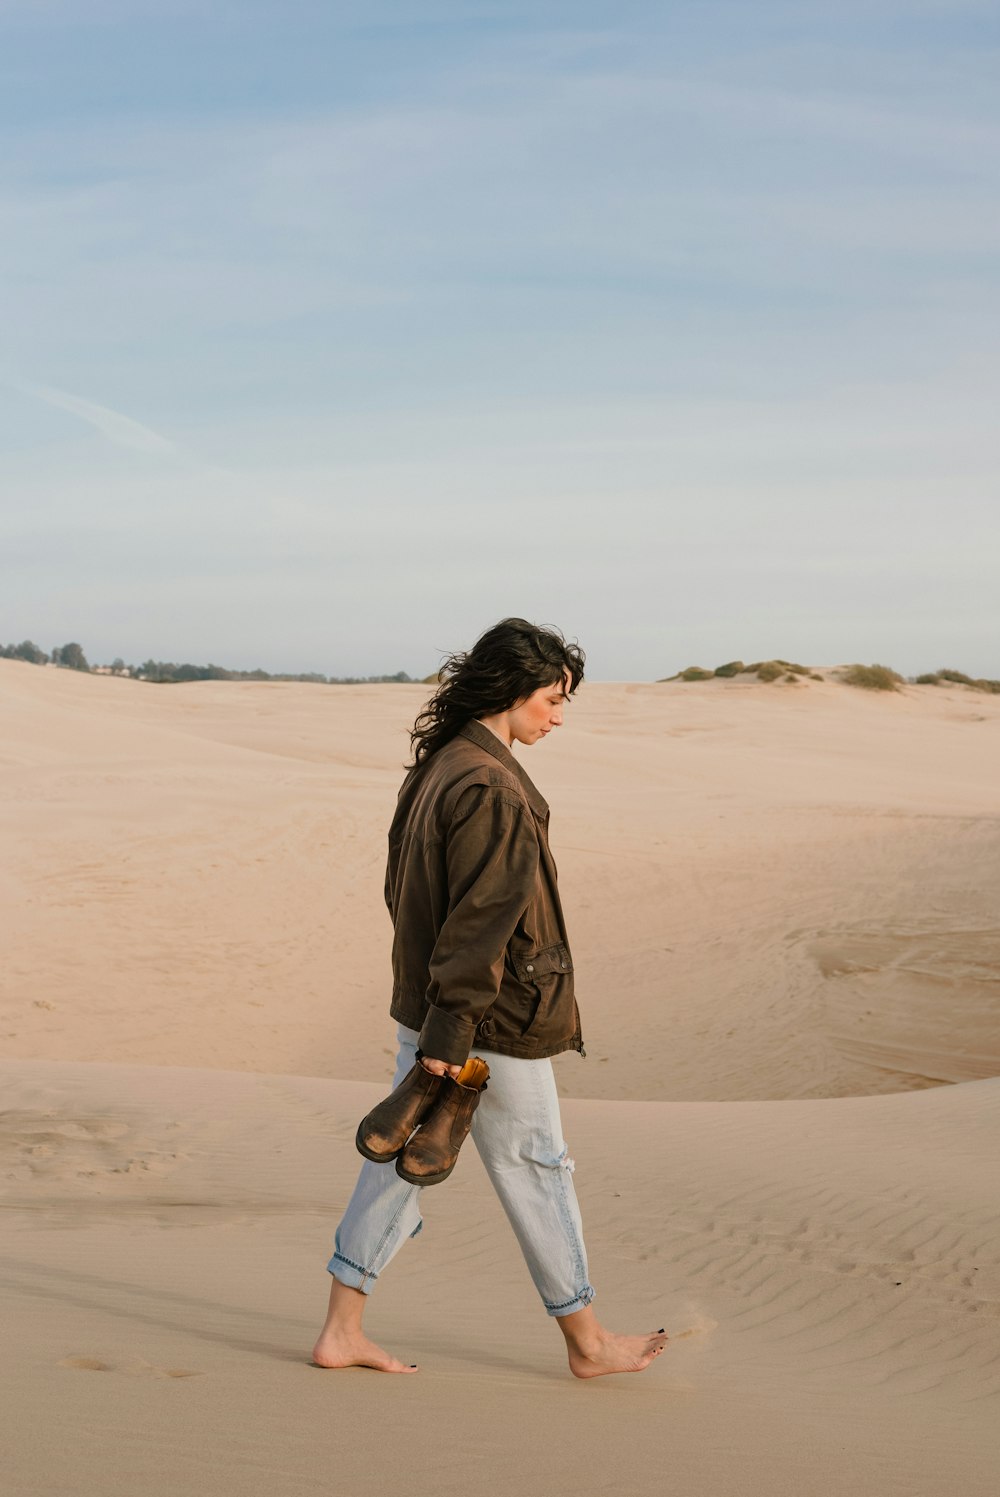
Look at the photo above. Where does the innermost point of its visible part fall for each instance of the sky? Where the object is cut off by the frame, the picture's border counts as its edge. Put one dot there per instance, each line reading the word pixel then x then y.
pixel 333 333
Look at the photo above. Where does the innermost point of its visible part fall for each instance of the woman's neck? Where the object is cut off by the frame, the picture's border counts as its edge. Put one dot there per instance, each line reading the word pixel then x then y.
pixel 493 723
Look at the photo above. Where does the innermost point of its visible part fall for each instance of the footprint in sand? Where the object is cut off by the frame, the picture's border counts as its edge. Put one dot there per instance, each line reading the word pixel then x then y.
pixel 50 1145
pixel 135 1368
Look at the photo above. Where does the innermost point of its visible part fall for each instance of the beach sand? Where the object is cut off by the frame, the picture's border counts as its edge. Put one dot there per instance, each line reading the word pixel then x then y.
pixel 782 901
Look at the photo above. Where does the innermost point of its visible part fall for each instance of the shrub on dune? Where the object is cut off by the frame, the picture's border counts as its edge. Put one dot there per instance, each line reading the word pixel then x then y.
pixel 774 670
pixel 731 668
pixel 959 678
pixel 796 670
pixel 872 677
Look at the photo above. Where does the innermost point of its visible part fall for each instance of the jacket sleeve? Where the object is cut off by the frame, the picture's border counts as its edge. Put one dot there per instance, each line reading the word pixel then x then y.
pixel 492 863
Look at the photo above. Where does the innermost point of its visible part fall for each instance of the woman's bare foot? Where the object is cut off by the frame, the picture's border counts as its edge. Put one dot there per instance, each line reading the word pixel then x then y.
pixel 347 1349
pixel 596 1352
pixel 342 1342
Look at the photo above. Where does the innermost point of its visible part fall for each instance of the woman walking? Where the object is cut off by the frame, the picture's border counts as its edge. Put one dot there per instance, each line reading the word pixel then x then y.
pixel 482 968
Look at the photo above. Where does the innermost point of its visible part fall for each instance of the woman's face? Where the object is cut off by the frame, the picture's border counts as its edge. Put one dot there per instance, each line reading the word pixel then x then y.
pixel 538 714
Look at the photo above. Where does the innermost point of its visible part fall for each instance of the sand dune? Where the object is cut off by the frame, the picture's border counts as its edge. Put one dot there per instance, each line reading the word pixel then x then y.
pixel 785 926
pixel 829 1270
pixel 773 892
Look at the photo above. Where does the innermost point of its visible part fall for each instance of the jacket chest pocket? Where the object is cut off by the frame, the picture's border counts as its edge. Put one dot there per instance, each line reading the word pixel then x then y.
pixel 537 966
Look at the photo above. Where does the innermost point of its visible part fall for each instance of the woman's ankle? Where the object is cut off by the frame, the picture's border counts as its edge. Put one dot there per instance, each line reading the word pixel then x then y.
pixel 346 1308
pixel 582 1329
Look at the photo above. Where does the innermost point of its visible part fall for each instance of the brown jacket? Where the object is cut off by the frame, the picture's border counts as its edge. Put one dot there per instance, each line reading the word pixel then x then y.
pixel 479 957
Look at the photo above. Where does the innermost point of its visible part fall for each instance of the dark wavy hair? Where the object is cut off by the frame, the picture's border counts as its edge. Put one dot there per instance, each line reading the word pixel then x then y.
pixel 505 665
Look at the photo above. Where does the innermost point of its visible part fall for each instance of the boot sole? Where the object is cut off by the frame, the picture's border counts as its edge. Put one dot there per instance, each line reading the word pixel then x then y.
pixel 422 1179
pixel 370 1153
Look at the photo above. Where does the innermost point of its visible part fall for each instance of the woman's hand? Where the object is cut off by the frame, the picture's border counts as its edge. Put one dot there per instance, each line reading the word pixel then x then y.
pixel 439 1067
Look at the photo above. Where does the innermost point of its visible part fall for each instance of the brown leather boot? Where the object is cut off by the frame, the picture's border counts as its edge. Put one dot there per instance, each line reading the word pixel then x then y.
pixel 432 1153
pixel 382 1134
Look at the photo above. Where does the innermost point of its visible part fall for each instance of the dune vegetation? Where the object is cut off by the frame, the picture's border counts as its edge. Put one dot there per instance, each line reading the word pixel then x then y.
pixel 868 677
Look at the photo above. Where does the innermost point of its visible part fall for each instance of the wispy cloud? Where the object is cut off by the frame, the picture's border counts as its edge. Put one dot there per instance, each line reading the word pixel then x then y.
pixel 120 429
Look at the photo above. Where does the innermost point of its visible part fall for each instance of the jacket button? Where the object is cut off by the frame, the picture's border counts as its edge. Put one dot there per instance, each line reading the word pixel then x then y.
pixel 564 965
pixel 530 967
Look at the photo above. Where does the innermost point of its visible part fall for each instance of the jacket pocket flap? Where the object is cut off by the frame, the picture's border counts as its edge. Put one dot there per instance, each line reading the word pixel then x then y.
pixel 542 963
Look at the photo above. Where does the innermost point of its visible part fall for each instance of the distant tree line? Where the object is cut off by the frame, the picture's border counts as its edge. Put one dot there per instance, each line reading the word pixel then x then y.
pixel 166 670
pixel 71 657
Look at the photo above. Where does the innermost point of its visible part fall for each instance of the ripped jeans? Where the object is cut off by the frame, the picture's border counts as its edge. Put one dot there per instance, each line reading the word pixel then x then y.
pixel 517 1131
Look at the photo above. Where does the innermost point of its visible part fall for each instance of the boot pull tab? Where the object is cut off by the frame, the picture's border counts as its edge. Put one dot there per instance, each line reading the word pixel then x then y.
pixel 475 1073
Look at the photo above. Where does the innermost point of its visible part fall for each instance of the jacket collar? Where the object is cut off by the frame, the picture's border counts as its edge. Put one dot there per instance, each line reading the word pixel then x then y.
pixel 488 740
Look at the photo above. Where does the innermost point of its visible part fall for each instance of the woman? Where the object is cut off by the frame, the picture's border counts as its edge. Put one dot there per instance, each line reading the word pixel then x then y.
pixel 482 967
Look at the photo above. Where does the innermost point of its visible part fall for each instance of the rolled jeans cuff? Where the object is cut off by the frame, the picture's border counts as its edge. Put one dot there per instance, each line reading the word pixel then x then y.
pixel 346 1272
pixel 579 1302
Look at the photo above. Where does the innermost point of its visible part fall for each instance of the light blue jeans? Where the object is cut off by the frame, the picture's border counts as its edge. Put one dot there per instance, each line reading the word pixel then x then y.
pixel 517 1131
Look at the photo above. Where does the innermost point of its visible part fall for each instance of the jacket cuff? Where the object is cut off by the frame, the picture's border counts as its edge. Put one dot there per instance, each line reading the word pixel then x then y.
pixel 446 1037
